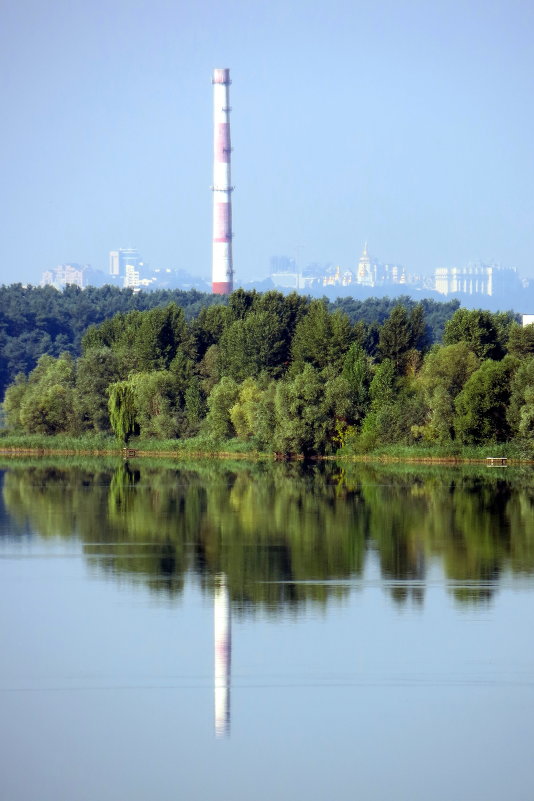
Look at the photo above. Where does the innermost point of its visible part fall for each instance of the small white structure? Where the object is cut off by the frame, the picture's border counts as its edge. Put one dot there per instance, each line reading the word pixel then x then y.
pixel 528 319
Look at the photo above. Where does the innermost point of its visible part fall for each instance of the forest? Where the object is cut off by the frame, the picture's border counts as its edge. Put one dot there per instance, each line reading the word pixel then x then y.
pixel 288 375
pixel 38 321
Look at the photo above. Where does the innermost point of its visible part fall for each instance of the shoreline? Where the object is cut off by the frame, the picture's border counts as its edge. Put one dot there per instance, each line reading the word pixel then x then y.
pixel 140 453
pixel 134 453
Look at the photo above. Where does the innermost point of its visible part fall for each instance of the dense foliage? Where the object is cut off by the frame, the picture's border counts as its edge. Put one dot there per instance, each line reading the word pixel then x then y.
pixel 289 375
pixel 38 321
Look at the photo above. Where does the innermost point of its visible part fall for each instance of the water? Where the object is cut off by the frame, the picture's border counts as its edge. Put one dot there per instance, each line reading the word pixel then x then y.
pixel 258 632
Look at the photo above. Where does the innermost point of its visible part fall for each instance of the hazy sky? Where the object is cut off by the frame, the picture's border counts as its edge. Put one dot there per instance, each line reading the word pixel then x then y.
pixel 407 124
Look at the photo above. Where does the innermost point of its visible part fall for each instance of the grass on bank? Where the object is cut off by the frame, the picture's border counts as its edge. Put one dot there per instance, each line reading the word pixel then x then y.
pixel 94 443
pixel 105 443
pixel 59 442
pixel 454 451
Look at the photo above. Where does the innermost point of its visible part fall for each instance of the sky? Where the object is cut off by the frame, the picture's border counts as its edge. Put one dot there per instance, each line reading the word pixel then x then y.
pixel 405 124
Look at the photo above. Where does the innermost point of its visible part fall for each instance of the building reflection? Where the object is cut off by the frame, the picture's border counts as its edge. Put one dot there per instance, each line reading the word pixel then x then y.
pixel 223 655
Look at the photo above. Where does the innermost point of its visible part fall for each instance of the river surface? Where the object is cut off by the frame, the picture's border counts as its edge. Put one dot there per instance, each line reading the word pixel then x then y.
pixel 230 631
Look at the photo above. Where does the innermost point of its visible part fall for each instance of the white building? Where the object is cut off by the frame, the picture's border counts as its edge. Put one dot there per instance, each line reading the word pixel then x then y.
pixel 366 270
pixel 371 272
pixel 65 274
pixel 122 258
pixel 475 279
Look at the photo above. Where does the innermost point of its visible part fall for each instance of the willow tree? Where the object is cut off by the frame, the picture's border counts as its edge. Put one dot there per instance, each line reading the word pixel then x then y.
pixel 122 411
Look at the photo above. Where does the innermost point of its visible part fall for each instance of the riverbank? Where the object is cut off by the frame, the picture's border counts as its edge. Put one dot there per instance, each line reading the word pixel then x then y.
pixel 103 445
pixel 513 452
pixel 204 448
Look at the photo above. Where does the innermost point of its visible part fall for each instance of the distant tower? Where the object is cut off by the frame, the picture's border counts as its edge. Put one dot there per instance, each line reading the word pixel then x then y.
pixel 222 266
pixel 364 266
pixel 120 259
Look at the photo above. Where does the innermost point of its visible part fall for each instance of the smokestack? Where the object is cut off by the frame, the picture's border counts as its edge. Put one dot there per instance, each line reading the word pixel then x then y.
pixel 222 266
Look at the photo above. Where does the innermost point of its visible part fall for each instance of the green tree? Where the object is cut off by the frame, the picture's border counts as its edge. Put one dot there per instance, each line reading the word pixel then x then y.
pixel 243 412
pixel 240 303
pixel 395 412
pixel 157 402
pixel 521 340
pixel 207 328
pixel 289 309
pixel 358 375
pixel 122 411
pixel 222 397
pixel 252 345
pixel 95 371
pixel 520 414
pixel 320 339
pixel 12 402
pixel 396 420
pixel 401 333
pixel 265 417
pixel 142 341
pixel 484 332
pixel 481 406
pixel 301 426
pixel 47 404
pixel 382 387
pixel 194 405
pixel 443 375
pixel 159 334
pixel 209 369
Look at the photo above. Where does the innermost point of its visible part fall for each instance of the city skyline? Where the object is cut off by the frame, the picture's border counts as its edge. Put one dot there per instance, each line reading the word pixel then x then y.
pixel 105 265
pixel 128 269
pixel 404 124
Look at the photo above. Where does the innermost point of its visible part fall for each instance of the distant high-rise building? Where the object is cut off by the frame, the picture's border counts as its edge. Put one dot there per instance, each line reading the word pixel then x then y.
pixel 371 272
pixel 131 277
pixel 284 272
pixel 282 264
pixel 336 276
pixel 366 272
pixel 73 274
pixel 122 258
pixel 114 264
pixel 475 279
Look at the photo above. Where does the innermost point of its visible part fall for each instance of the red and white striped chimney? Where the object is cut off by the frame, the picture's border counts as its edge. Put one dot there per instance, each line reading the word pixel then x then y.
pixel 222 266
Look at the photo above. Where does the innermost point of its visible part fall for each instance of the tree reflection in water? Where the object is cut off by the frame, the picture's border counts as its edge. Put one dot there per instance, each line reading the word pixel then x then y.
pixel 284 535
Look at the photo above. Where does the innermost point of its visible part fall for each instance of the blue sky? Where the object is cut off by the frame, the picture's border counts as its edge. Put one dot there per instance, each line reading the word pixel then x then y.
pixel 406 124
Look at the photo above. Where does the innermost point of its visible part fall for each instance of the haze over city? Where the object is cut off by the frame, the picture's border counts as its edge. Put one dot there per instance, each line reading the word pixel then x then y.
pixel 407 125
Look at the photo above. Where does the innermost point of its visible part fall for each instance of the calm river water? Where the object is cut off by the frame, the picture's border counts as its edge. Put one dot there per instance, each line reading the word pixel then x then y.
pixel 228 631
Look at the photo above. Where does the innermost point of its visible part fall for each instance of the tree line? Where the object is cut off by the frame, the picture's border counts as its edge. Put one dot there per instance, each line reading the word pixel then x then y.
pixel 38 321
pixel 287 374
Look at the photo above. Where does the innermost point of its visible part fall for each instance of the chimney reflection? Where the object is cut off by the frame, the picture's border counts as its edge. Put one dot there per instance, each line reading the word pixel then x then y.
pixel 223 654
